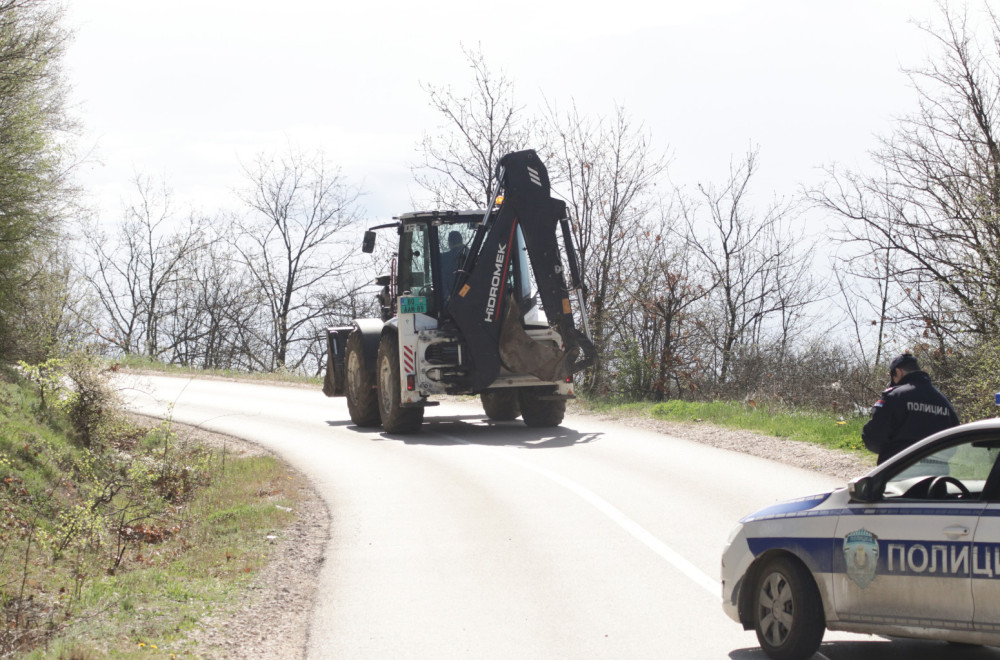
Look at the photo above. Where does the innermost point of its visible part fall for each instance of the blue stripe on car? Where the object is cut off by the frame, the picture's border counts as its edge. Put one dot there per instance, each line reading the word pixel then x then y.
pixel 792 506
pixel 896 558
pixel 902 509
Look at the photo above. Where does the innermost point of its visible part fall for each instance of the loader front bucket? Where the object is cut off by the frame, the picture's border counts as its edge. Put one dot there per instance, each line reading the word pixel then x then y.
pixel 336 341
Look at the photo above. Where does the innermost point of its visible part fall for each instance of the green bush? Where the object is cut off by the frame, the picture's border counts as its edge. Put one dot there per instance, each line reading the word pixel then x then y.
pixel 971 379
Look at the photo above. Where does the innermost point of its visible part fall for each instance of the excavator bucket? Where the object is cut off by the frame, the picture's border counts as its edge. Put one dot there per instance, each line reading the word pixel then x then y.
pixel 486 310
pixel 522 354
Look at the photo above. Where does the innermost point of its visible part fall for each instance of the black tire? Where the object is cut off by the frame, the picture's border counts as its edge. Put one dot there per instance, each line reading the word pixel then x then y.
pixel 788 611
pixel 362 399
pixel 501 405
pixel 395 418
pixel 538 412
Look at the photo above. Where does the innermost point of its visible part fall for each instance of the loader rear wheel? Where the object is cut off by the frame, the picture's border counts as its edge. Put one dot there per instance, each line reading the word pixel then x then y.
pixel 501 405
pixel 539 412
pixel 362 399
pixel 395 418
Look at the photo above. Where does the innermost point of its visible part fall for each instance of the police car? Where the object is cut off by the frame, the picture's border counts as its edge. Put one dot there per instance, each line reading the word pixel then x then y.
pixel 912 549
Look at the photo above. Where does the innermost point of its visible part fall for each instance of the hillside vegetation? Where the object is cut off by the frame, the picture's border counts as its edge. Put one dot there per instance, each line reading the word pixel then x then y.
pixel 115 539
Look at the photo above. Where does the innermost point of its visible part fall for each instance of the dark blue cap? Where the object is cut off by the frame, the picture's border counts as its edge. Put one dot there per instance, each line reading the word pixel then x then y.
pixel 906 362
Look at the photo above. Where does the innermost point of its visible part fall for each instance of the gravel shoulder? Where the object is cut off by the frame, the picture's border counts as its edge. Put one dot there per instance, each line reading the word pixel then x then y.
pixel 274 621
pixel 805 455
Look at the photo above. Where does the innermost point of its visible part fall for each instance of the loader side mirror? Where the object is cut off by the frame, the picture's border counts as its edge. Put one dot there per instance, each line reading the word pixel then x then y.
pixel 368 243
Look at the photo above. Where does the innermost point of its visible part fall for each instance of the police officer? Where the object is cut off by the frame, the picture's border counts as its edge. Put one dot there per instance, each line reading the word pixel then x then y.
pixel 909 410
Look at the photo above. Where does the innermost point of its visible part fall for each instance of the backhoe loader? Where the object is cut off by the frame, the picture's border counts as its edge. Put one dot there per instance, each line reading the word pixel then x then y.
pixel 477 302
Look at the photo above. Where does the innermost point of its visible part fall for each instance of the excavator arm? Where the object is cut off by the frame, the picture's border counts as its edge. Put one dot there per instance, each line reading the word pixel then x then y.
pixel 485 308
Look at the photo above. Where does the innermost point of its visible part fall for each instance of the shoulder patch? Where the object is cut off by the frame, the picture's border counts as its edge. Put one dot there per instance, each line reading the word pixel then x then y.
pixel 878 404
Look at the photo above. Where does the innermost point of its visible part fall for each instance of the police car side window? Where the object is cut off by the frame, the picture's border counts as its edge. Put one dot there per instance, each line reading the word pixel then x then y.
pixel 969 463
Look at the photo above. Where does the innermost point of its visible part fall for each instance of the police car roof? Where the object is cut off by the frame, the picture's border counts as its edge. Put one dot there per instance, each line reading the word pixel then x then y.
pixel 991 425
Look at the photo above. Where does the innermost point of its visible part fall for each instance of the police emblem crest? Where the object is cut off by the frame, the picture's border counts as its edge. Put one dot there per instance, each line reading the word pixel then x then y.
pixel 861 556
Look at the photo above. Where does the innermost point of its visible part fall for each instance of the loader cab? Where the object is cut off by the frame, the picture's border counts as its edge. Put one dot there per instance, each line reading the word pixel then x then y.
pixel 430 254
pixel 433 247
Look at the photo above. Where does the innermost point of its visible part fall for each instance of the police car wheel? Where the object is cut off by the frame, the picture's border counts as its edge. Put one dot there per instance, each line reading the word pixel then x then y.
pixel 788 612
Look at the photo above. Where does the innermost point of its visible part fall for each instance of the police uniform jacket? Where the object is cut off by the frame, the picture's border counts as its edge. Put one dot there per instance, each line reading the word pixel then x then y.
pixel 907 412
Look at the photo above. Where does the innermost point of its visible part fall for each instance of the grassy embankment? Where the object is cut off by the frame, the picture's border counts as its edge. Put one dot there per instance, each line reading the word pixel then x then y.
pixel 114 540
pixel 820 428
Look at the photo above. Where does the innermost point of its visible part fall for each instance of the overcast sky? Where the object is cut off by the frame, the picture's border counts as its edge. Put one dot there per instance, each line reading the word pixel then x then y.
pixel 184 90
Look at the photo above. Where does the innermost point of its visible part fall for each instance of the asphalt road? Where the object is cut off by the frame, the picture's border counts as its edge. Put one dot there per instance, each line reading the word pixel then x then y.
pixel 476 539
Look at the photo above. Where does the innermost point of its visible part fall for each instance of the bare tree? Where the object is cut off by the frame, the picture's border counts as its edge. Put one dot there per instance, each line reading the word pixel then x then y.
pixel 218 308
pixel 932 207
pixel 608 169
pixel 759 272
pixel 481 125
pixel 668 290
pixel 135 273
pixel 875 307
pixel 295 246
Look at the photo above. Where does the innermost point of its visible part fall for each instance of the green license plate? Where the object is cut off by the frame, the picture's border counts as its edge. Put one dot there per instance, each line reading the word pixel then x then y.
pixel 413 305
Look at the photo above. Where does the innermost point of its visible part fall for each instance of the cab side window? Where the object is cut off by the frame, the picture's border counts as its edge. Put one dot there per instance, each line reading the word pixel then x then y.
pixel 414 264
pixel 412 257
pixel 959 472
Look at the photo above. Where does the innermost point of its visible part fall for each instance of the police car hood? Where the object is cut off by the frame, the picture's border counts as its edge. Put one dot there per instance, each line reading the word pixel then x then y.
pixel 800 507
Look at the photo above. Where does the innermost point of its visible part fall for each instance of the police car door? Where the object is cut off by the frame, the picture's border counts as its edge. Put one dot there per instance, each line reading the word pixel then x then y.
pixel 986 550
pixel 906 560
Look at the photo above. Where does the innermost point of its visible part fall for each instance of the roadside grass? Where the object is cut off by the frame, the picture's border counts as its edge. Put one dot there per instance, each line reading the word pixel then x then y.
pixel 796 424
pixel 204 567
pixel 121 550
pixel 141 363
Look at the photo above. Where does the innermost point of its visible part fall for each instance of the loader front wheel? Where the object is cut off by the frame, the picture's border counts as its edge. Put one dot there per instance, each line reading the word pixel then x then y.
pixel 537 411
pixel 362 399
pixel 395 418
pixel 500 405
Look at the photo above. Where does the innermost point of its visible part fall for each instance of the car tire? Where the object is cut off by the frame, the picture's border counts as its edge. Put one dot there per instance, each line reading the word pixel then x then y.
pixel 501 405
pixel 395 418
pixel 788 611
pixel 362 399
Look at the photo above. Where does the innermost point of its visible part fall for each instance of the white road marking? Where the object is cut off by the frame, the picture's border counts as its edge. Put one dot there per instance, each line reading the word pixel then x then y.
pixel 640 533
